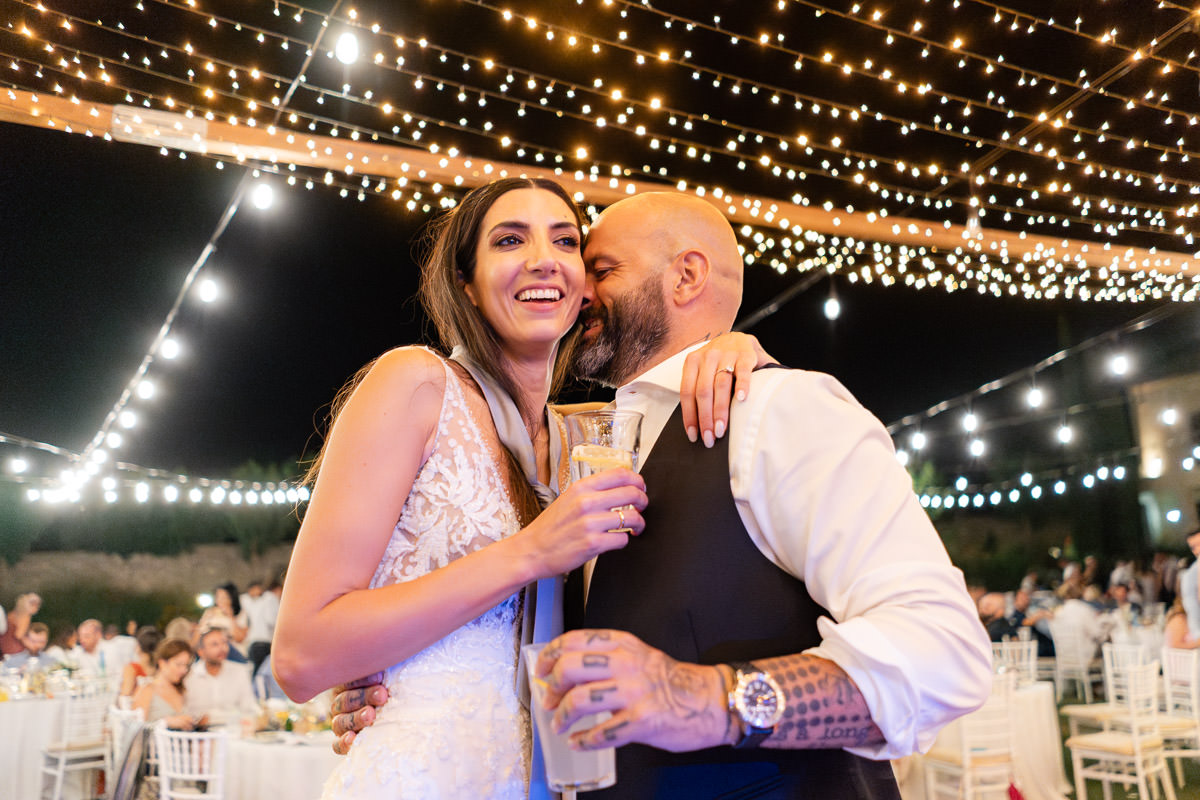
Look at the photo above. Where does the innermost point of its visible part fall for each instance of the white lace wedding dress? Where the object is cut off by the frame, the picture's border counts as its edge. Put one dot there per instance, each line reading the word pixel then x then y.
pixel 453 727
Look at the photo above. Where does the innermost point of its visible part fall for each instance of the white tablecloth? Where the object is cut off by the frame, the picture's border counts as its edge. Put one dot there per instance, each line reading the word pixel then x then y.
pixel 26 727
pixel 1037 749
pixel 259 770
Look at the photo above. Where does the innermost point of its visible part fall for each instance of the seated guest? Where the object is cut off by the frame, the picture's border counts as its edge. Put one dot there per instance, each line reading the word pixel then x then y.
pixel 36 639
pixel 164 696
pixel 141 669
pixel 180 628
pixel 90 655
pixel 62 644
pixel 1175 629
pixel 1121 606
pixel 1081 614
pixel 226 613
pixel 119 650
pixel 215 685
pixel 17 622
pixel 1023 617
pixel 991 614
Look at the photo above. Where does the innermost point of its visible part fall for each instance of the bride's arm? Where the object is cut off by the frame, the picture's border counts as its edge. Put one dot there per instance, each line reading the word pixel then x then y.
pixel 331 628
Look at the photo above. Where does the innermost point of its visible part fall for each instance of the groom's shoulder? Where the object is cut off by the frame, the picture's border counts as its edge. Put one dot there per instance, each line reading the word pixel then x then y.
pixel 790 390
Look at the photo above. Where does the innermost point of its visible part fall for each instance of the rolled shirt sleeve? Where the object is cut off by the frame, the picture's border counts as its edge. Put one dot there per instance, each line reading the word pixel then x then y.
pixel 818 486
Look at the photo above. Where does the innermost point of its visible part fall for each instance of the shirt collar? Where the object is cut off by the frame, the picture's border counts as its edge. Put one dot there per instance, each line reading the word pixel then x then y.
pixel 665 375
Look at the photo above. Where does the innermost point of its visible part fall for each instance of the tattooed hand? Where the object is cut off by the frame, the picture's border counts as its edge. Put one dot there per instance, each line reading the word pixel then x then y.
pixel 353 708
pixel 677 706
pixel 654 699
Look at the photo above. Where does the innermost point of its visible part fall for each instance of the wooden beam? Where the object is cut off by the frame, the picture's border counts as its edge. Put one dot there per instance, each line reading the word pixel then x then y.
pixel 350 158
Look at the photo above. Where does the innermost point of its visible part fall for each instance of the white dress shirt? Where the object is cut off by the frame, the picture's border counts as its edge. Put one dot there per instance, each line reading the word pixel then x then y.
pixel 226 693
pixel 816 482
pixel 94 663
pixel 261 613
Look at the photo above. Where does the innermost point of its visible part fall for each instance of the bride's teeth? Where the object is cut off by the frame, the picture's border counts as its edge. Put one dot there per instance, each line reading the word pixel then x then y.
pixel 539 294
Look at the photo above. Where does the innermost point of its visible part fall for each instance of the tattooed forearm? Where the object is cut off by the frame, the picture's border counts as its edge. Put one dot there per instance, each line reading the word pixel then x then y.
pixel 824 707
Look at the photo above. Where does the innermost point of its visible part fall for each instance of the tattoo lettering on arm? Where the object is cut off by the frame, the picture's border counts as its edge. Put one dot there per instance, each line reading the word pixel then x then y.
pixel 825 709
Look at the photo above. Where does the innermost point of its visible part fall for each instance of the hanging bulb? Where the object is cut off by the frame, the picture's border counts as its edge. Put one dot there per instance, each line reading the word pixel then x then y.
pixel 208 290
pixel 263 196
pixel 833 308
pixel 1119 364
pixel 346 48
pixel 1035 397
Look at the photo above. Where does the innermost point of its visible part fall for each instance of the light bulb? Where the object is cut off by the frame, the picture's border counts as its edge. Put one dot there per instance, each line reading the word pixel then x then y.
pixel 917 441
pixel 346 48
pixel 1169 416
pixel 169 349
pixel 1035 397
pixel 208 290
pixel 833 309
pixel 976 448
pixel 1119 364
pixel 1064 434
pixel 970 422
pixel 263 196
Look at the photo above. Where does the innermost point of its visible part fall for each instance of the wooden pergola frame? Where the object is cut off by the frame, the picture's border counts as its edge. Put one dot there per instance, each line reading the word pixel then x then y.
pixel 283 146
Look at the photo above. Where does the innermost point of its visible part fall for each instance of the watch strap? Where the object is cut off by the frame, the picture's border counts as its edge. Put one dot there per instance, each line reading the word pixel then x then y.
pixel 750 736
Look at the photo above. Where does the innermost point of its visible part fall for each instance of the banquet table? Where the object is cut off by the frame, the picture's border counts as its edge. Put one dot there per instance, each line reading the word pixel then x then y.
pixel 287 765
pixel 1037 749
pixel 28 725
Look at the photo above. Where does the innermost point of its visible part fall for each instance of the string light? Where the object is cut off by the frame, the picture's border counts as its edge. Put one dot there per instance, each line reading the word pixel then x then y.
pixel 1112 178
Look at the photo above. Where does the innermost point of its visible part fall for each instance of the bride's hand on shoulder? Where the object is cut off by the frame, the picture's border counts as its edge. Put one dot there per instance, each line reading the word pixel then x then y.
pixel 594 515
pixel 711 375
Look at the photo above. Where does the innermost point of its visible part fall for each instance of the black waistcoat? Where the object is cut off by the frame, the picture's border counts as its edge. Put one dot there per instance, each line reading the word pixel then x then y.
pixel 695 586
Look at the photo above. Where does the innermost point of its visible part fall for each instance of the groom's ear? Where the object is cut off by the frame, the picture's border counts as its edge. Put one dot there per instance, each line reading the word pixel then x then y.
pixel 689 273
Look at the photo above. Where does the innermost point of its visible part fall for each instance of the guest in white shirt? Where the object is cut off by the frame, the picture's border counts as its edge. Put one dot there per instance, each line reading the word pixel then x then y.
pixel 90 655
pixel 1077 612
pixel 261 609
pixel 215 686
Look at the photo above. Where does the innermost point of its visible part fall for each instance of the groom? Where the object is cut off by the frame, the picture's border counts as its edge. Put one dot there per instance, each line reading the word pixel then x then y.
pixel 789 618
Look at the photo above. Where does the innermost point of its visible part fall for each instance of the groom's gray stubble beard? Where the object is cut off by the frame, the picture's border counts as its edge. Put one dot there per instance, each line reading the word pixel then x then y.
pixel 634 330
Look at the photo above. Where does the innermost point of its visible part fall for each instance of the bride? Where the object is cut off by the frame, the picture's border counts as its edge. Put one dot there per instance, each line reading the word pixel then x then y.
pixel 424 524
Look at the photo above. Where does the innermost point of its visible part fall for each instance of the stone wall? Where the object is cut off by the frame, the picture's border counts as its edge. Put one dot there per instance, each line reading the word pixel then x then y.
pixel 193 573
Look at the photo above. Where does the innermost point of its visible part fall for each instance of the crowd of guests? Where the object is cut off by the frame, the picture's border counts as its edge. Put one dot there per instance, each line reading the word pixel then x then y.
pixel 190 672
pixel 1163 595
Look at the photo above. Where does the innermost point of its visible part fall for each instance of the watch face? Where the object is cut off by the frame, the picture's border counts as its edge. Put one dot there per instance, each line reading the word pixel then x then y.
pixel 759 700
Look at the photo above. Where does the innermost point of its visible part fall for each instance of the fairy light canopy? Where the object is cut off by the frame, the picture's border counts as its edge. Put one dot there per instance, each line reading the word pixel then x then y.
pixel 1035 149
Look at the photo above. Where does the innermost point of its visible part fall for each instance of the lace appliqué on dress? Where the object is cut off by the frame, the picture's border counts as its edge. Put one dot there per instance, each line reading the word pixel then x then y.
pixel 453 726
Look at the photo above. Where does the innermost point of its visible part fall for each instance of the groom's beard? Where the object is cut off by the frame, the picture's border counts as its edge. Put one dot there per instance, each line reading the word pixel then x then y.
pixel 633 329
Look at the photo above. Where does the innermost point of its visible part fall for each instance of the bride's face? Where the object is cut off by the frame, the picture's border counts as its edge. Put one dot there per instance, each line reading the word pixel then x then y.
pixel 529 275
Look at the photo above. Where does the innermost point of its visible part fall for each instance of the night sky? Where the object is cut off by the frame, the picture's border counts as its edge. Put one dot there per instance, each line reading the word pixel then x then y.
pixel 96 238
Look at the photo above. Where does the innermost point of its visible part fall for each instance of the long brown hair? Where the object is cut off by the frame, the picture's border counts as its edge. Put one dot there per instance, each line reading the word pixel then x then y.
pixel 452 241
pixel 450 266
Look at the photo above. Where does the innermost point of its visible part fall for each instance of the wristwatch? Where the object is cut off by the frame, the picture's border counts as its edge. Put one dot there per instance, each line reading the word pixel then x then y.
pixel 756 702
